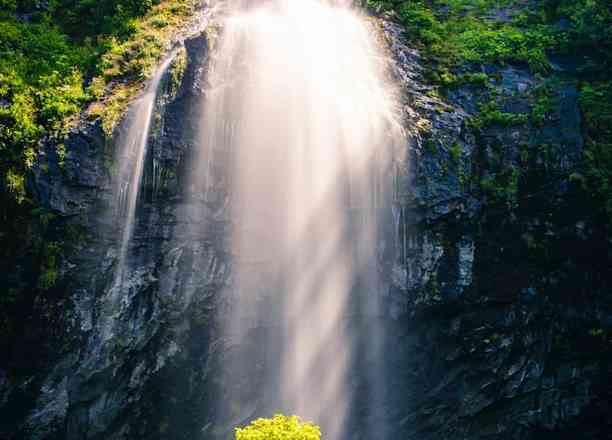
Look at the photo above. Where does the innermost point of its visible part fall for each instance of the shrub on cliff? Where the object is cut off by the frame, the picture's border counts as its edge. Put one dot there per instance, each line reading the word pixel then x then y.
pixel 279 427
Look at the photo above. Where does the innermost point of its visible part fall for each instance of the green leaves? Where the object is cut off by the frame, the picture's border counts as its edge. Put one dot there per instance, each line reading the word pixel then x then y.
pixel 503 44
pixel 60 97
pixel 41 84
pixel 452 32
pixel 596 103
pixel 45 62
pixel 491 114
pixel 279 427
pixel 8 5
pixel 49 265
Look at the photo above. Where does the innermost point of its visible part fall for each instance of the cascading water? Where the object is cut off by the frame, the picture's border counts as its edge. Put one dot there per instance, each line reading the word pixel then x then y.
pixel 131 165
pixel 131 157
pixel 300 112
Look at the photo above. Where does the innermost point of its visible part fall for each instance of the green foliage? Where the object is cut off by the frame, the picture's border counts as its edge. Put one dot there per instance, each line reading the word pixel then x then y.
pixel 134 59
pixel 589 33
pixel 49 267
pixel 454 32
pixel 421 23
pixel 503 186
pixel 112 108
pixel 64 56
pixel 450 80
pixel 279 427
pixel 482 42
pixel 83 18
pixel 8 5
pixel 460 35
pixel 596 101
pixel 45 62
pixel 491 114
pixel 430 146
pixel 15 183
pixel 41 85
pixel 455 152
pixel 177 70
pixel 543 104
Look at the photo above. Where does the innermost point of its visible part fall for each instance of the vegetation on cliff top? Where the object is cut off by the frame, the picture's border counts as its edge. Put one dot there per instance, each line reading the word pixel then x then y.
pixel 459 37
pixel 57 56
pixel 451 32
pixel 56 59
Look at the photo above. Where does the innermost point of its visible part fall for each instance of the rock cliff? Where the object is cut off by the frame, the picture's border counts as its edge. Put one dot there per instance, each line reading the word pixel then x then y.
pixel 497 296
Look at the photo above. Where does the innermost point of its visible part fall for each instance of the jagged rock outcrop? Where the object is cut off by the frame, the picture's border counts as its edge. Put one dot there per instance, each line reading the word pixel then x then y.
pixel 502 316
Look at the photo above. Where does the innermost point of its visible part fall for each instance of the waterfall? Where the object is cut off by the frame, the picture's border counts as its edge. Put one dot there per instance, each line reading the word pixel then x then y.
pixel 300 115
pixel 132 154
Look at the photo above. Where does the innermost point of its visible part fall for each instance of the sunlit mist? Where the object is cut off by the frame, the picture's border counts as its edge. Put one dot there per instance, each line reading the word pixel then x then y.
pixel 299 107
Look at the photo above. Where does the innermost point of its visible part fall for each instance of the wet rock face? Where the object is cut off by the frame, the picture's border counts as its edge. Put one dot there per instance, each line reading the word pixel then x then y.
pixel 497 311
pixel 143 369
pixel 501 296
pixel 138 369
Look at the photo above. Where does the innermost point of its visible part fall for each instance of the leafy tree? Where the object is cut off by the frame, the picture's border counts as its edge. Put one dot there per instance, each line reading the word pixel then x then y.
pixel 279 427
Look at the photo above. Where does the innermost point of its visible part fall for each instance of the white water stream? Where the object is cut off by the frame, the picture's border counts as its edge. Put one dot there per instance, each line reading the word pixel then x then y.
pixel 131 160
pixel 300 104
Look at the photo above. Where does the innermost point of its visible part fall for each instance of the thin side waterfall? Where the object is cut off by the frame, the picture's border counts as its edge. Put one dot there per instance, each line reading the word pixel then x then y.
pixel 131 159
pixel 302 113
pixel 131 155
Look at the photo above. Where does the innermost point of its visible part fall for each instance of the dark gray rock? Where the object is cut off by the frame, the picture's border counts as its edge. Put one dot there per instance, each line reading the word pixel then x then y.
pixel 502 352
